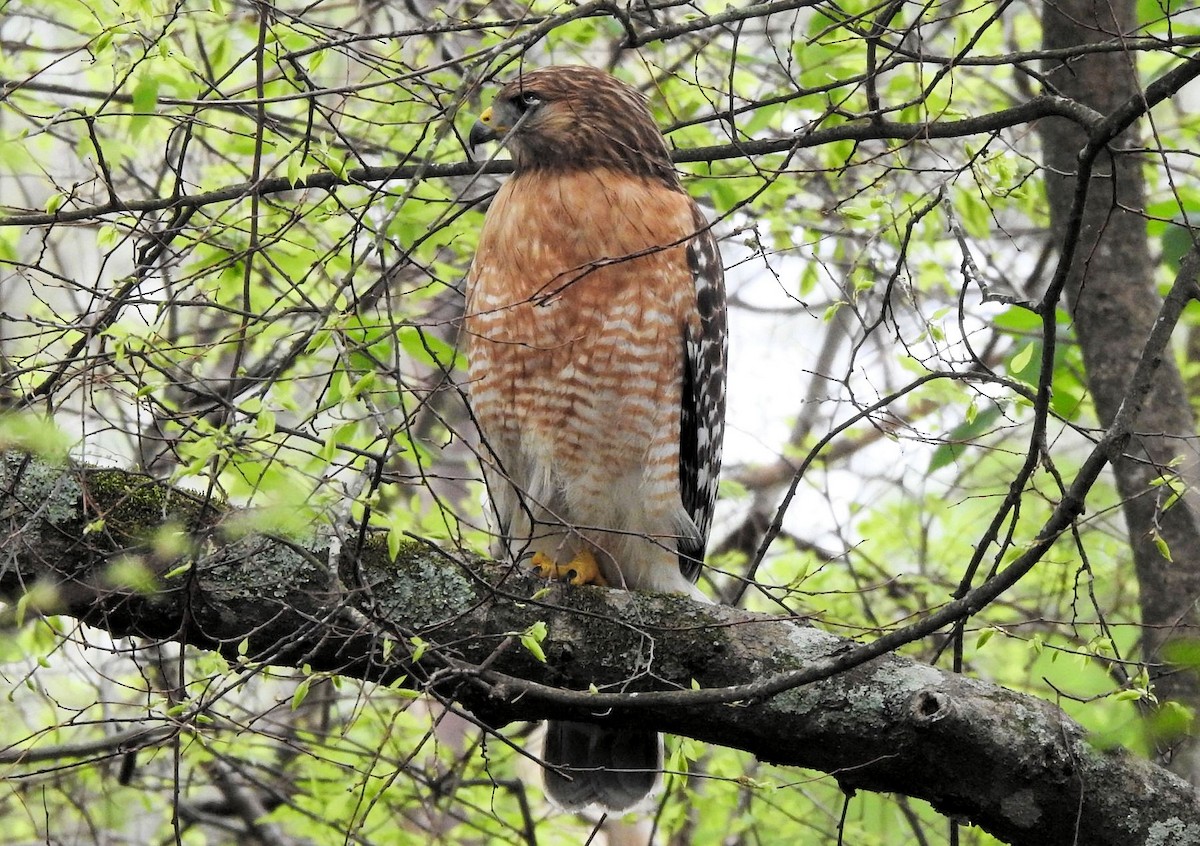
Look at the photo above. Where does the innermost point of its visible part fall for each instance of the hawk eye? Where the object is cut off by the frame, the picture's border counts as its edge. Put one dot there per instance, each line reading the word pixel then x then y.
pixel 527 100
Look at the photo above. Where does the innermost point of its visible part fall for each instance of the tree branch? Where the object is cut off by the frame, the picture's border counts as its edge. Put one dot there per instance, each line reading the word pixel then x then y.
pixel 1015 765
pixel 1038 107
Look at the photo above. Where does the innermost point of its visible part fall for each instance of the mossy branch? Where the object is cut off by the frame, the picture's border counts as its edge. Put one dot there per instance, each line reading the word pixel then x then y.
pixel 1011 763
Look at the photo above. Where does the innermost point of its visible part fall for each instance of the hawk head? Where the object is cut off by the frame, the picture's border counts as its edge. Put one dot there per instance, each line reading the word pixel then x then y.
pixel 574 117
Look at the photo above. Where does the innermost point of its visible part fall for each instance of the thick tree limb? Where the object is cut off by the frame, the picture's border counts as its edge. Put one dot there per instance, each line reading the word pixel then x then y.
pixel 1013 764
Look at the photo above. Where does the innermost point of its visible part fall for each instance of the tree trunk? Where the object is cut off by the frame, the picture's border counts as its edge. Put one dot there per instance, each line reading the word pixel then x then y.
pixel 1112 297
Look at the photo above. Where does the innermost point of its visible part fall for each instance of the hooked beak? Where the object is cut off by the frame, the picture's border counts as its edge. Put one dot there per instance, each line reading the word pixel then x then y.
pixel 485 129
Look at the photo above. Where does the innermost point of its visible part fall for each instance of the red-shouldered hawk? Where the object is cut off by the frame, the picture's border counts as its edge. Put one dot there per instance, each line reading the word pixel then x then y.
pixel 595 329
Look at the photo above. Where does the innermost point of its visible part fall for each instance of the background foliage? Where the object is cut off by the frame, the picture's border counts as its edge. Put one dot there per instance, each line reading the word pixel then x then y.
pixel 232 255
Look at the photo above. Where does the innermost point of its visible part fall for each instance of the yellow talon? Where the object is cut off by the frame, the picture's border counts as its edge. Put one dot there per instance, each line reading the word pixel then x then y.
pixel 581 570
pixel 544 565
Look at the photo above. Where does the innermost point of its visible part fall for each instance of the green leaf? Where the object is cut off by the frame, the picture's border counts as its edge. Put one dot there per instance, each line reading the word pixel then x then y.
pixel 301 692
pixel 340 165
pixel 677 762
pixel 22 608
pixel 395 539
pixel 130 572
pixel 532 639
pixel 145 94
pixel 184 62
pixel 732 489
pixel 295 163
pixel 1184 651
pixel 1020 361
pixel 961 436
pixel 1172 721
pixel 1160 543
pixel 107 236
pixel 1018 319
pixel 264 423
pixel 363 383
pixel 428 348
pixel 178 571
pixel 419 647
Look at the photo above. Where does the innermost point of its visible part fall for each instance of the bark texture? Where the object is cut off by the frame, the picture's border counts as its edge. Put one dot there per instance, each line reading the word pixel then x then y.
pixel 1013 764
pixel 1112 297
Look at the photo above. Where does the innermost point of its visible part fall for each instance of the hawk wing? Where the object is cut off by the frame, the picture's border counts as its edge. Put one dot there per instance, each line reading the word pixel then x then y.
pixel 702 409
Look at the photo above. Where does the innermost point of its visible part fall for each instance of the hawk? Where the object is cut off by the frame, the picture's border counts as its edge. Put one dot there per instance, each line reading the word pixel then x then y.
pixel 596 335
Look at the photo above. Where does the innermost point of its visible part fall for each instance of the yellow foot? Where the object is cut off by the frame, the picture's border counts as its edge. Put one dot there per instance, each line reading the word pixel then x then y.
pixel 581 570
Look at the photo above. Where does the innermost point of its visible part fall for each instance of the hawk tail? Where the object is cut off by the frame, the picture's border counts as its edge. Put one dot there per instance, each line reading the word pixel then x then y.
pixel 615 768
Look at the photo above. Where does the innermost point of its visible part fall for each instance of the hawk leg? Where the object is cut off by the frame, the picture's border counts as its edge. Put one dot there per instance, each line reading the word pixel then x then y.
pixel 580 570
